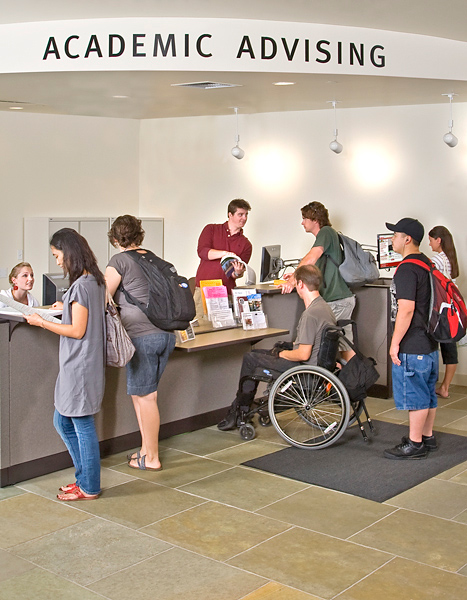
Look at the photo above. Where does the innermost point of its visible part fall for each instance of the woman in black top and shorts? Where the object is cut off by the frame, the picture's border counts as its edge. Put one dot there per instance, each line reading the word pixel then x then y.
pixel 153 345
pixel 445 260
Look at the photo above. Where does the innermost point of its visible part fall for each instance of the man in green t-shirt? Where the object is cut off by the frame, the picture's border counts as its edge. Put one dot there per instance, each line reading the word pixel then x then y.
pixel 315 220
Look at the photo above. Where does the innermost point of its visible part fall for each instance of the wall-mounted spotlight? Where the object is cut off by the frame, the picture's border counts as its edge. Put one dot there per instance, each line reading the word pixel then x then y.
pixel 236 150
pixel 335 145
pixel 449 138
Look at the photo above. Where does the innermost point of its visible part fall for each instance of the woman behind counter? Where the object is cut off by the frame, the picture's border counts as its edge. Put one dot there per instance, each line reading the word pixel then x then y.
pixel 21 279
pixel 153 345
pixel 80 383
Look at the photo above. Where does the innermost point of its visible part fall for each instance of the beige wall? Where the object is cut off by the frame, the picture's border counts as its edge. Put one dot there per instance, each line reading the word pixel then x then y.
pixel 61 166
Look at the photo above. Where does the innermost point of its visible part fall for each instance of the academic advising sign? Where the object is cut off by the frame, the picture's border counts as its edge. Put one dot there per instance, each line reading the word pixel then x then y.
pixel 264 48
pixel 225 45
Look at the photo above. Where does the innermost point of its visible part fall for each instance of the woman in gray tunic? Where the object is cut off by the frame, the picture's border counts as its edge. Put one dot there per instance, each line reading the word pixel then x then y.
pixel 80 383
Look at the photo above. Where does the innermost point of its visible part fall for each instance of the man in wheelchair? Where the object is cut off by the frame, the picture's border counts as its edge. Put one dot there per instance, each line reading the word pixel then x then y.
pixel 304 349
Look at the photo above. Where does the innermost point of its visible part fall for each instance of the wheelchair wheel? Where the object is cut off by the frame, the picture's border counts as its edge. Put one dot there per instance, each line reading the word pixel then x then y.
pixel 309 407
pixel 247 432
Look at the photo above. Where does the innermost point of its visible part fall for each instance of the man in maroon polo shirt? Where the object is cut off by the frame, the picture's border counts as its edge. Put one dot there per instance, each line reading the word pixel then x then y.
pixel 216 241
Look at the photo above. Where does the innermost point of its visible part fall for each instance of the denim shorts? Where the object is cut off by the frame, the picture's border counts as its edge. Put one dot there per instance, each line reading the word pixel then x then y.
pixel 414 381
pixel 145 369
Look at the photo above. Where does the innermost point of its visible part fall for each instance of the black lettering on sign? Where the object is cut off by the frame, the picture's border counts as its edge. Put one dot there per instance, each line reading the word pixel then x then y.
pixel 290 53
pixel 67 46
pixel 381 58
pixel 273 49
pixel 327 54
pixel 121 50
pixel 93 46
pixel 354 52
pixel 137 44
pixel 246 46
pixel 164 49
pixel 198 45
pixel 51 49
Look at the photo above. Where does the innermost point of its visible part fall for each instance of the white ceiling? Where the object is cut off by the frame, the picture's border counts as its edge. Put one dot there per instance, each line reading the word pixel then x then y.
pixel 151 94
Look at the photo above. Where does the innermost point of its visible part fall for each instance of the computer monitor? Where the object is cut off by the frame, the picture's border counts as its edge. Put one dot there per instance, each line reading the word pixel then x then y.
pixel 271 263
pixel 54 285
pixel 387 258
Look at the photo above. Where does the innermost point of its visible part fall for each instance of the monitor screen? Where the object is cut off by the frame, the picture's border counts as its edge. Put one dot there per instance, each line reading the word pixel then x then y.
pixel 53 287
pixel 271 263
pixel 387 258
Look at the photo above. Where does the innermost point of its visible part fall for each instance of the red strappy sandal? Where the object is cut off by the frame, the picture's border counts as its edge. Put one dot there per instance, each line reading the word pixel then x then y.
pixel 71 487
pixel 76 494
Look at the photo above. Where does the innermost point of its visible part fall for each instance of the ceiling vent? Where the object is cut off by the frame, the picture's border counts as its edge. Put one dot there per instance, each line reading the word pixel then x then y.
pixel 206 85
pixel 13 102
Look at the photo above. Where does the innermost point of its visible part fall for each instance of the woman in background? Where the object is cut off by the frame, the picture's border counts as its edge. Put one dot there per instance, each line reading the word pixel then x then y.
pixel 80 384
pixel 21 279
pixel 153 345
pixel 445 260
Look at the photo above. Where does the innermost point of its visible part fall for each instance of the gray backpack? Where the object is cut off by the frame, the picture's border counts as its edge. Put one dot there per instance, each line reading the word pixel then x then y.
pixel 358 265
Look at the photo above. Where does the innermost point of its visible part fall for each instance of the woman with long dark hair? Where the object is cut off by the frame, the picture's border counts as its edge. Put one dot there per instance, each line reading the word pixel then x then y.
pixel 81 378
pixel 445 260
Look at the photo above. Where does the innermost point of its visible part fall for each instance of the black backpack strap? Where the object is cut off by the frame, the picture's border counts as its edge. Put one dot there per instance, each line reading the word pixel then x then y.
pixel 354 345
pixel 134 255
pixel 429 268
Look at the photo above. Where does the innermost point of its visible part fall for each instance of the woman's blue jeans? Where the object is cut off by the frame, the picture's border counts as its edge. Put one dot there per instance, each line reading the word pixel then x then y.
pixel 80 437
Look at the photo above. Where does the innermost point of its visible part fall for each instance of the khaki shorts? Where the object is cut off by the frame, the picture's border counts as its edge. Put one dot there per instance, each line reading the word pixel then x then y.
pixel 343 309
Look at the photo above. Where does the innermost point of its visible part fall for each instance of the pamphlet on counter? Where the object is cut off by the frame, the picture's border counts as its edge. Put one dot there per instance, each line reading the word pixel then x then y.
pixel 254 320
pixel 240 300
pixel 217 304
pixel 185 335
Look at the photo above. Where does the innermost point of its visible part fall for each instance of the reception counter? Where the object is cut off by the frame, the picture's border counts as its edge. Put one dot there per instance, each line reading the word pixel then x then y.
pixel 199 382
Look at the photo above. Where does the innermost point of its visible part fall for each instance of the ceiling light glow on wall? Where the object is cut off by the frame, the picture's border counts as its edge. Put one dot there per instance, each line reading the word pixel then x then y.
pixel 236 150
pixel 449 138
pixel 335 145
pixel 373 167
pixel 275 168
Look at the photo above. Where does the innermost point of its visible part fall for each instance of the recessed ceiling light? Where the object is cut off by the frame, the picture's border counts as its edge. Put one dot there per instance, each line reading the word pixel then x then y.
pixel 119 96
pixel 16 108
pixel 284 83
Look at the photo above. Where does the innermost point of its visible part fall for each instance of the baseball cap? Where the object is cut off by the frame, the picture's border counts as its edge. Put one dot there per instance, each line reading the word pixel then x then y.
pixel 410 227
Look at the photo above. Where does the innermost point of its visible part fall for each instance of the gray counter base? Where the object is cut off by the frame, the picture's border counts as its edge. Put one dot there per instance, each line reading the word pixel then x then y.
pixel 194 392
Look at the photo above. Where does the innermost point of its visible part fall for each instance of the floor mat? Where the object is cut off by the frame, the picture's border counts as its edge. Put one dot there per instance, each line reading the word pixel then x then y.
pixel 358 468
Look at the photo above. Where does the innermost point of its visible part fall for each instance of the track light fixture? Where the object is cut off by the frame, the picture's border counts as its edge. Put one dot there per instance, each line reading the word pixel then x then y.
pixel 236 150
pixel 449 138
pixel 335 145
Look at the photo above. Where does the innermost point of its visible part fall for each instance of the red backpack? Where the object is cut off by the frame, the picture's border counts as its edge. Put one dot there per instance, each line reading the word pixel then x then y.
pixel 447 319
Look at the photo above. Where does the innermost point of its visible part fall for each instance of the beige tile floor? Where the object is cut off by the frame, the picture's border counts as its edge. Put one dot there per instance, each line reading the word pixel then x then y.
pixel 208 528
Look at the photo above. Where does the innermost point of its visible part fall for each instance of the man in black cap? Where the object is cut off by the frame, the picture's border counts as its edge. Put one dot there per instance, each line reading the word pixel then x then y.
pixel 413 353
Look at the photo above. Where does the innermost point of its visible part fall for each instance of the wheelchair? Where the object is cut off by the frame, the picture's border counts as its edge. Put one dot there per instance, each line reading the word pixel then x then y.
pixel 309 406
